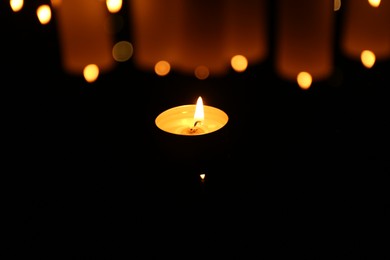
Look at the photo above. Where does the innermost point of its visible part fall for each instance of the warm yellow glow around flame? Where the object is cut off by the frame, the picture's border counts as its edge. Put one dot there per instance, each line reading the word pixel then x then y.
pixel 187 120
pixel 368 58
pixel 374 3
pixel 199 110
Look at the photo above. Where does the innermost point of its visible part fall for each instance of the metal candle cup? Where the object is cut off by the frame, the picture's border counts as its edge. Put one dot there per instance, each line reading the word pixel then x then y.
pixel 180 120
pixel 188 135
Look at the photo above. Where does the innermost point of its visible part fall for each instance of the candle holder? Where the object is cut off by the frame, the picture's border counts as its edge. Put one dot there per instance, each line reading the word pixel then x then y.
pixel 192 120
pixel 192 133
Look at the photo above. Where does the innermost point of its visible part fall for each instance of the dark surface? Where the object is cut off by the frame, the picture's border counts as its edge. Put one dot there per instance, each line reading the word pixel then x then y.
pixel 293 174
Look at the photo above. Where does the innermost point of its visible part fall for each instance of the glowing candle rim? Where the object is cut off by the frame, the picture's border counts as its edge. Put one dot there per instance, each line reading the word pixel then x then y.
pixel 178 118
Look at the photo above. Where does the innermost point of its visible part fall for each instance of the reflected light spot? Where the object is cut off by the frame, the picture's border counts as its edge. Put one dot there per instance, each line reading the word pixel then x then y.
pixel 16 5
pixel 122 51
pixel 91 72
pixel 162 68
pixel 304 80
pixel 374 3
pixel 336 5
pixel 44 14
pixel 202 72
pixel 114 6
pixel 368 58
pixel 239 63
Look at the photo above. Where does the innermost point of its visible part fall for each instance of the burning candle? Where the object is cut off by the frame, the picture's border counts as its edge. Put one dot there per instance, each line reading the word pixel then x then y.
pixel 202 177
pixel 192 120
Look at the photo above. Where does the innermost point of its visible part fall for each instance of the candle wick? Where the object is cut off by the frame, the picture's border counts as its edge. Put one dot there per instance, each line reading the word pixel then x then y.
pixel 197 122
pixel 194 129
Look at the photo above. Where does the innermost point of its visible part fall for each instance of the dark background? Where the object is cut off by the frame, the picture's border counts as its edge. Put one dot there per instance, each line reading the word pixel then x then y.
pixel 88 175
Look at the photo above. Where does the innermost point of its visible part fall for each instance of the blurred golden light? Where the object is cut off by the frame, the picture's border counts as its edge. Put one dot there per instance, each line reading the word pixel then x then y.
pixel 239 63
pixel 16 5
pixel 374 3
pixel 304 38
pixel 114 6
pixel 202 38
pixel 366 28
pixel 83 36
pixel 91 72
pixel 162 68
pixel 304 80
pixel 44 14
pixel 188 34
pixel 368 58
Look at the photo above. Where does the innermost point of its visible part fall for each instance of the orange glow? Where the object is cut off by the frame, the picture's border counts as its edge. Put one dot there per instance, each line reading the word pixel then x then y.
pixel 82 31
pixel 304 39
pixel 162 68
pixel 199 110
pixel 114 6
pixel 202 72
pixel 16 5
pixel 245 30
pixel 44 14
pixel 368 58
pixel 91 73
pixel 366 28
pixel 336 5
pixel 55 3
pixel 198 37
pixel 374 3
pixel 304 80
pixel 202 177
pixel 239 63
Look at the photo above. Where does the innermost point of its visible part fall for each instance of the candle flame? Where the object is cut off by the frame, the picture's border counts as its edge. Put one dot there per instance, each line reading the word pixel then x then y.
pixel 199 111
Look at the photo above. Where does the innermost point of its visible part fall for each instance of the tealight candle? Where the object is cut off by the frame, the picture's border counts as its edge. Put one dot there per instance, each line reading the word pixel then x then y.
pixel 192 120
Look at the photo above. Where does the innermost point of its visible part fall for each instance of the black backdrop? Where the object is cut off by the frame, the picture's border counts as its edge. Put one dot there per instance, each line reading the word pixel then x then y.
pixel 89 175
